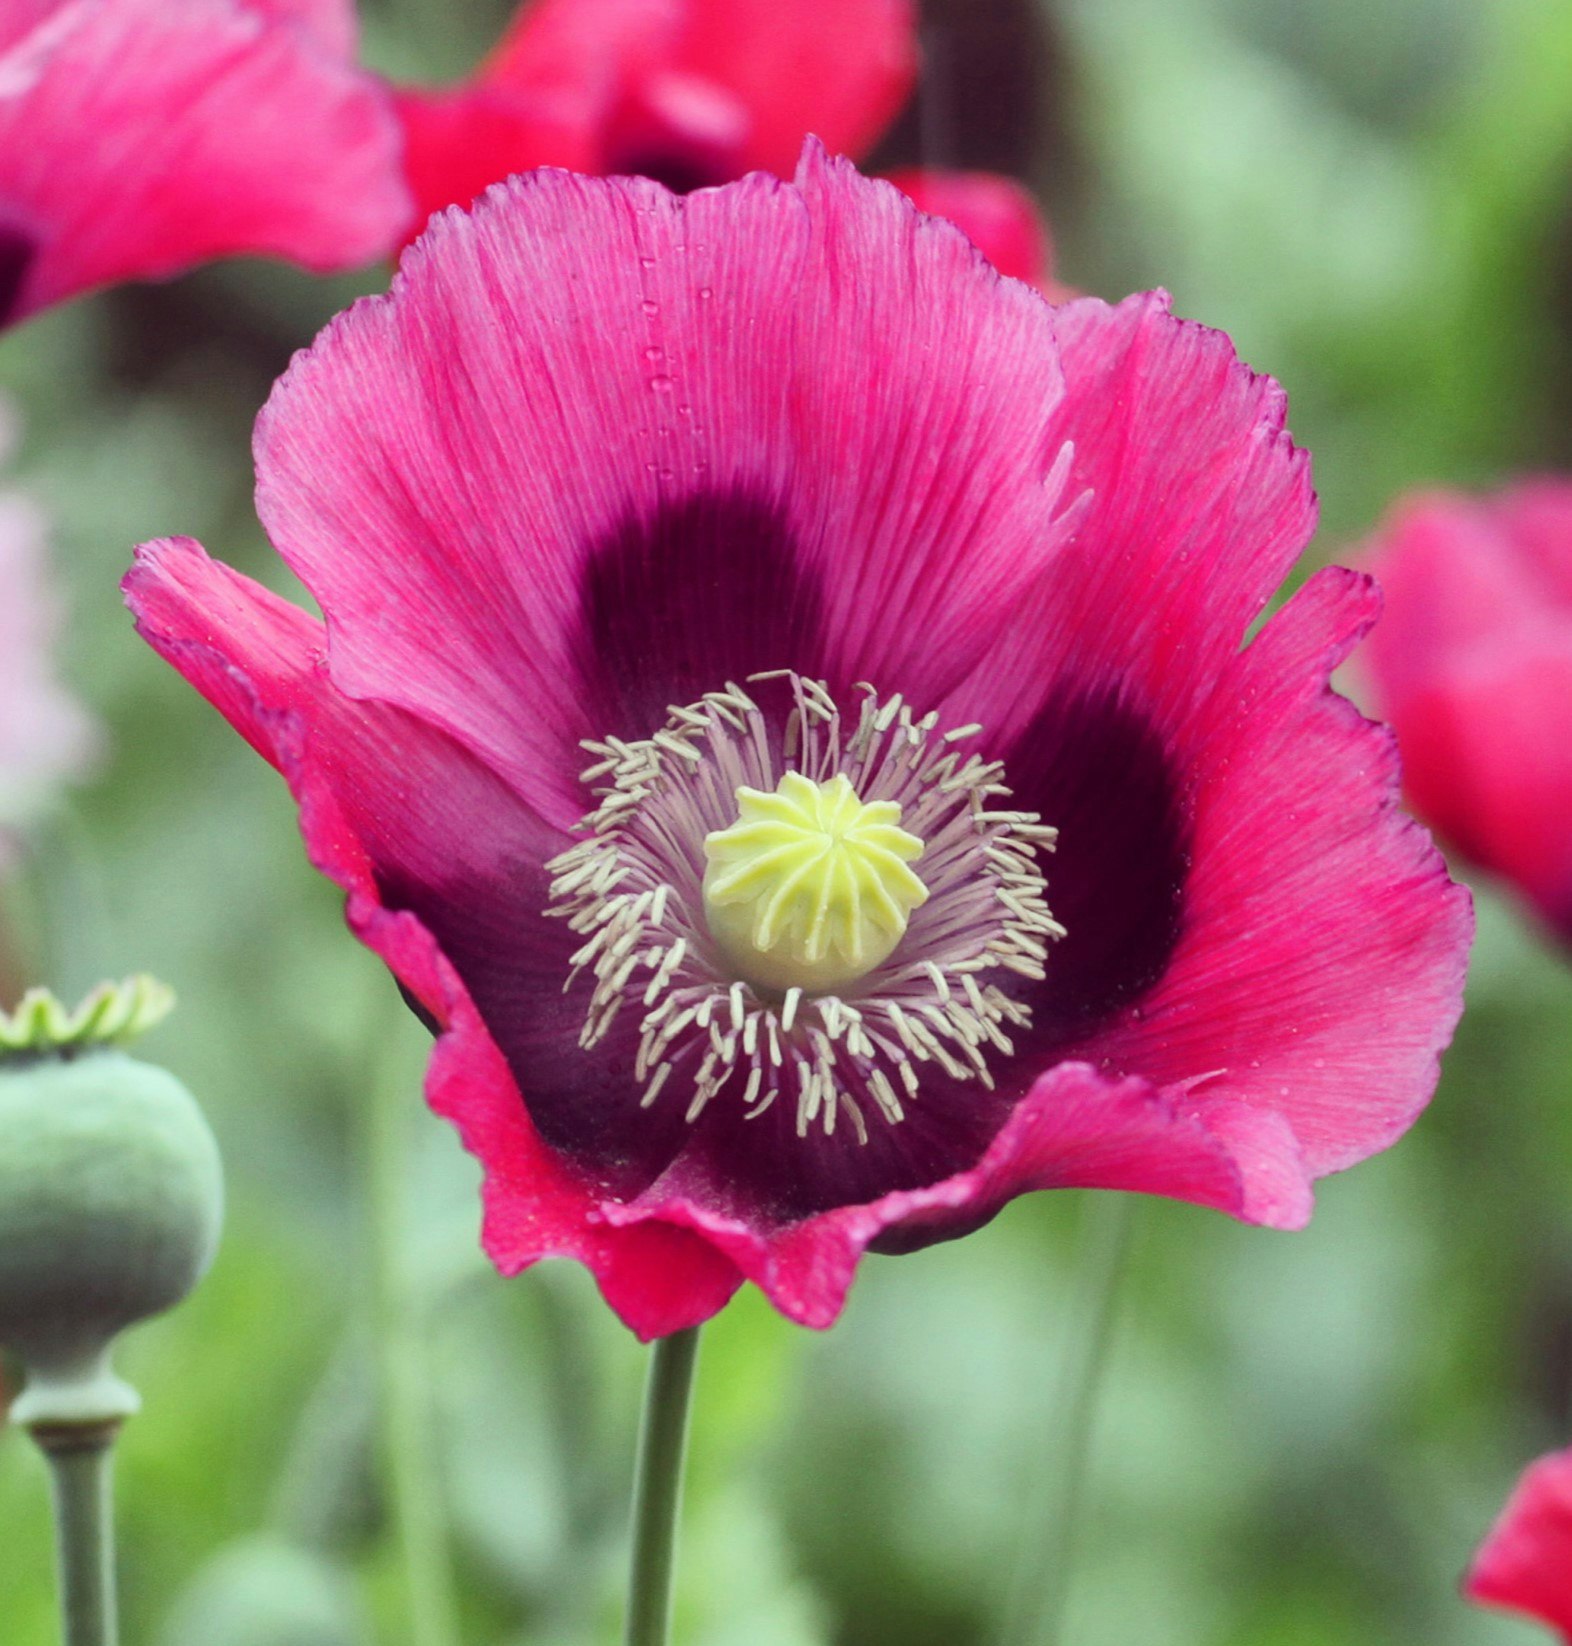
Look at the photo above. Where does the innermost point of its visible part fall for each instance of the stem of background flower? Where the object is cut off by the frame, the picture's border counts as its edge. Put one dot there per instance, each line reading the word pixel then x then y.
pixel 79 1480
pixel 319 1492
pixel 55 914
pixel 65 928
pixel 657 1486
pixel 414 1484
pixel 1040 1591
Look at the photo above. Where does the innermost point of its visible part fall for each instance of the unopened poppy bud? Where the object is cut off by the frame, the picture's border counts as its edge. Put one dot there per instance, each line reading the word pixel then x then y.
pixel 111 1195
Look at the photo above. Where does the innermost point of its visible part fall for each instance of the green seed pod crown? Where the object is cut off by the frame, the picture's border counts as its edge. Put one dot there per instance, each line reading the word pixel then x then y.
pixel 111 1195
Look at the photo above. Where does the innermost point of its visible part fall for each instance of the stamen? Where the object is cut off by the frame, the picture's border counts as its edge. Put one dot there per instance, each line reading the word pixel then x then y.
pixel 731 839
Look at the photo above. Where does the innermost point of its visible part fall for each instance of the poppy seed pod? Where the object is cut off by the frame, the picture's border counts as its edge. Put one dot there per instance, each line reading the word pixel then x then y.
pixel 111 1196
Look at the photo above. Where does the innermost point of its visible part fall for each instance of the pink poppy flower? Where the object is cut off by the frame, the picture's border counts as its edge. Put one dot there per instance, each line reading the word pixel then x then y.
pixel 1472 664
pixel 859 571
pixel 44 735
pixel 696 93
pixel 141 137
pixel 1525 1565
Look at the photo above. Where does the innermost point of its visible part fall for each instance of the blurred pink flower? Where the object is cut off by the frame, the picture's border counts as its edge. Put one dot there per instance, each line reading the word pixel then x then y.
pixel 695 93
pixel 1525 1565
pixel 140 137
pixel 44 735
pixel 1472 664
pixel 603 467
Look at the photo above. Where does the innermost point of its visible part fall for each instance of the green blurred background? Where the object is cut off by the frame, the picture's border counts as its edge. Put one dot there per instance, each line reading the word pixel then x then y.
pixel 1300 1438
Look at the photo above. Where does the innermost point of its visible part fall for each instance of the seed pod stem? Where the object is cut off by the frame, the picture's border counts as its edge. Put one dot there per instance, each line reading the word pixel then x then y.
pixel 79 1456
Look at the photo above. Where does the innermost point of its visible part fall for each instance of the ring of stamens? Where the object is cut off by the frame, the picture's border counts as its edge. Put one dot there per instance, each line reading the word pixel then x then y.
pixel 632 888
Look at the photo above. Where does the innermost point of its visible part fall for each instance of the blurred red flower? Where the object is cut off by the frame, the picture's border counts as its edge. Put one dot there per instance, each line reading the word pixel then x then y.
pixel 1472 664
pixel 777 498
pixel 695 93
pixel 1525 1565
pixel 141 137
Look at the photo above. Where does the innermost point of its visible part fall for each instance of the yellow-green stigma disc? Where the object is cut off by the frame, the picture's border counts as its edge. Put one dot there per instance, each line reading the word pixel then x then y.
pixel 810 888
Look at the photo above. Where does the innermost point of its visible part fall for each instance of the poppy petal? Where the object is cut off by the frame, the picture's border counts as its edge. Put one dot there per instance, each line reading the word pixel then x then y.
pixel 331 23
pixel 1473 666
pixel 1525 1565
pixel 1319 964
pixel 566 442
pixel 1192 504
pixel 841 72
pixel 220 133
pixel 376 824
pixel 1076 1129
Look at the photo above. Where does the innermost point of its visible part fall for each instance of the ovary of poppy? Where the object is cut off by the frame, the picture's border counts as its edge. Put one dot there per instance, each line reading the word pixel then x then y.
pixel 1525 1564
pixel 44 734
pixel 140 137
pixel 1472 664
pixel 623 503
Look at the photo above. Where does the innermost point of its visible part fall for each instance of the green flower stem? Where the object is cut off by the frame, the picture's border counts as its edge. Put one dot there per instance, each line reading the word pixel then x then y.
pixel 657 1486
pixel 79 1474
pixel 1041 1590
pixel 415 1487
pixel 74 927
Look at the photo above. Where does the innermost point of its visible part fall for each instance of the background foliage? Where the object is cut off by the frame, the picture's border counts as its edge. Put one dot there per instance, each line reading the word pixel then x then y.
pixel 1300 1438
